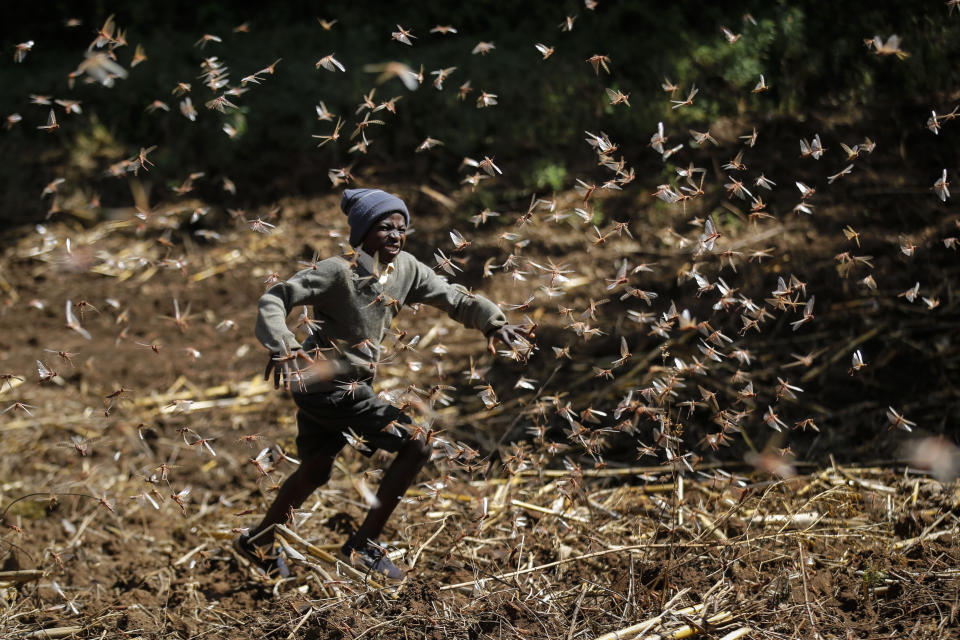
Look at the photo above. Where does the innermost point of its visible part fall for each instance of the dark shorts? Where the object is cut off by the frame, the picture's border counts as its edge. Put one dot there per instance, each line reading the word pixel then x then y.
pixel 323 418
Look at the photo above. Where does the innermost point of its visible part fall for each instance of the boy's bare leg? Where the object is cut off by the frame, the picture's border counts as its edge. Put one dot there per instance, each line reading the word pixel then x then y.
pixel 399 476
pixel 293 492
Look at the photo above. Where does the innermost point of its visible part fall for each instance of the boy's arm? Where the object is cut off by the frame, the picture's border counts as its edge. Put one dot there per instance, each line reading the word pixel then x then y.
pixel 469 309
pixel 306 287
pixel 272 311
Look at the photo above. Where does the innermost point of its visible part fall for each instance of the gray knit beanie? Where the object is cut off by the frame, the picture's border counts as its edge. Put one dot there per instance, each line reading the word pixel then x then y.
pixel 365 206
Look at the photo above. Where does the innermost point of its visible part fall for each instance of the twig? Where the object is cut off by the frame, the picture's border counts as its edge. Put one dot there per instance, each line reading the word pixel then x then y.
pixel 642 627
pixel 552 512
pixel 711 526
pixel 687 630
pixel 190 554
pixel 504 576
pixel 54 632
pixel 382 624
pixel 18 577
pixel 629 606
pixel 806 595
pixel 416 556
pixel 83 527
pixel 925 534
pixel 631 471
pixel 293 633
pixel 576 610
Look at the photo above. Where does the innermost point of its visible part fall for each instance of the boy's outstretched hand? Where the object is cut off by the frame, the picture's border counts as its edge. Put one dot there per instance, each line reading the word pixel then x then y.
pixel 508 334
pixel 287 367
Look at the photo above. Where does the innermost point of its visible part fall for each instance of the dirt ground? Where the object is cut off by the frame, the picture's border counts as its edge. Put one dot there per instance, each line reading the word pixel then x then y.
pixel 117 519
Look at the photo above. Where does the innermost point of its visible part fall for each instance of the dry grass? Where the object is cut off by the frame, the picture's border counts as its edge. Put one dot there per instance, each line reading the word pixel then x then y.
pixel 557 537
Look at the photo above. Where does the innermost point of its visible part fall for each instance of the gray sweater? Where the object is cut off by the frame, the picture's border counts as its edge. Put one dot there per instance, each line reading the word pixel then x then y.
pixel 354 311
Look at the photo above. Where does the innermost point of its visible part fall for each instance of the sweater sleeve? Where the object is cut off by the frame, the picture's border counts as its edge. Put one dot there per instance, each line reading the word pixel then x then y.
pixel 305 288
pixel 469 309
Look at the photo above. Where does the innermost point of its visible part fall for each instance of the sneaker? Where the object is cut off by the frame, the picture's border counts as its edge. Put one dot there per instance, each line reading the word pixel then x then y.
pixel 271 563
pixel 371 557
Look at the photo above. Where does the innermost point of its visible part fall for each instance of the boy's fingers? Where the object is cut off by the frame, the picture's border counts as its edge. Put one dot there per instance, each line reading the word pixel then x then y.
pixel 490 346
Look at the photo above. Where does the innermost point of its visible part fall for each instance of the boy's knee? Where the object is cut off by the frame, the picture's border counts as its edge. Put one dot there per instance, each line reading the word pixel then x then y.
pixel 420 448
pixel 318 469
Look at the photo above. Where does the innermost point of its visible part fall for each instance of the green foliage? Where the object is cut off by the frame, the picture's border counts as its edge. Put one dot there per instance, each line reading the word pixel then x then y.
pixel 598 214
pixel 479 200
pixel 547 174
pixel 873 578
pixel 730 223
pixel 816 66
pixel 29 509
pixel 91 147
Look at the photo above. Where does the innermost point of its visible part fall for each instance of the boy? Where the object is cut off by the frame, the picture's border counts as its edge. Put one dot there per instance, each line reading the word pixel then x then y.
pixel 353 304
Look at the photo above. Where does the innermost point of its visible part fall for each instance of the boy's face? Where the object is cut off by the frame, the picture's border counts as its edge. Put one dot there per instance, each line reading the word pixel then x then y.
pixel 386 237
